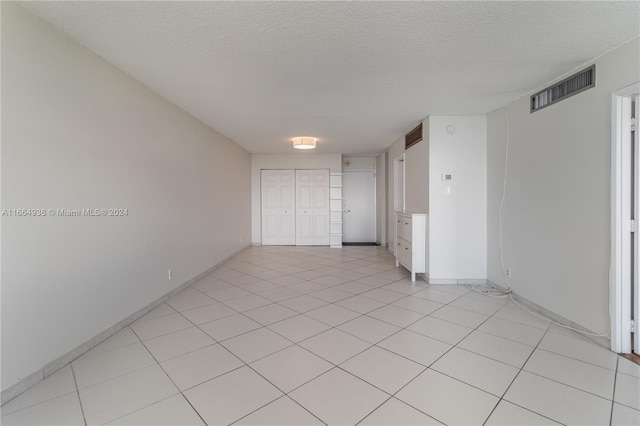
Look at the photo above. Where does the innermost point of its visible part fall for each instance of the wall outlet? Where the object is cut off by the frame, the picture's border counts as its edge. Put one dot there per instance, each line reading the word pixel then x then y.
pixel 508 272
pixel 170 274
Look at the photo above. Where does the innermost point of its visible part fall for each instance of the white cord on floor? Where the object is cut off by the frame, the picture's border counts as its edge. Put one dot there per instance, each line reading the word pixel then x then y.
pixel 504 294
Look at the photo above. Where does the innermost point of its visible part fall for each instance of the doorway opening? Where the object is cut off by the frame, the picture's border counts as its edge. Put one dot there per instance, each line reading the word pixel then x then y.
pixel 625 203
pixel 359 204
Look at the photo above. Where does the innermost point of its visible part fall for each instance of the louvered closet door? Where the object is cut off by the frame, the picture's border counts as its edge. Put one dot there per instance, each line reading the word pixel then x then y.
pixel 278 207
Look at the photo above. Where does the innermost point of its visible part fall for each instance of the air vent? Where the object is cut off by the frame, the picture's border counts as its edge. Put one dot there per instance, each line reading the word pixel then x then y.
pixel 413 137
pixel 577 83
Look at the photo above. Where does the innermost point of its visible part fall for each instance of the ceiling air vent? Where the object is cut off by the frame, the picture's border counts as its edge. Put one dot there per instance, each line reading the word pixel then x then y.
pixel 577 83
pixel 413 137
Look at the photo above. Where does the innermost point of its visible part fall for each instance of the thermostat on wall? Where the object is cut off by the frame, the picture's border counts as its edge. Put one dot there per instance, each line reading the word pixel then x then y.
pixel 447 177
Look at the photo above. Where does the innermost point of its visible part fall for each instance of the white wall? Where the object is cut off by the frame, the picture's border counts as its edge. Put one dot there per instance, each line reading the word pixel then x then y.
pixel 556 215
pixel 416 169
pixel 458 209
pixel 333 162
pixel 358 164
pixel 79 133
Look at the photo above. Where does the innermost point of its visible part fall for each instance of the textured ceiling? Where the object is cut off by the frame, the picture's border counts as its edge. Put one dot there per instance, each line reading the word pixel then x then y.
pixel 357 75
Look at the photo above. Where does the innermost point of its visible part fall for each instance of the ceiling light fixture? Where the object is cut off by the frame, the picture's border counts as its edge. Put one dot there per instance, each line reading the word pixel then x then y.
pixel 304 142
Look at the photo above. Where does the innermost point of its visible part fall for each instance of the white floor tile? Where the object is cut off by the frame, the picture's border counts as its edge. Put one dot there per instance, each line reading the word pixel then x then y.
pixel 332 315
pixel 245 303
pixel 579 348
pixel 628 367
pixel 457 289
pixel 279 294
pixel 360 304
pixel 436 295
pixel 503 350
pixel 303 303
pixel 189 299
pixel 338 398
pixel 122 338
pixel 460 316
pixel 476 305
pixel 232 396
pixel 396 315
pixel 384 296
pixel 291 367
pixel 178 343
pixel 513 331
pixel 63 410
pixel 298 328
pixel 624 416
pixel 58 384
pixel 416 304
pixel 228 327
pixel 508 414
pixel 558 402
pixel 211 283
pixel 92 368
pixel 168 412
pixel 196 367
pixel 353 287
pixel 228 293
pixel 259 286
pixel 369 329
pixel 476 370
pixel 269 314
pixel 334 345
pixel 627 391
pixel 395 412
pixel 306 287
pixel 155 327
pixel 158 311
pixel 281 412
pixel 208 313
pixel 383 369
pixel 331 295
pixel 448 400
pixel 115 398
pixel 514 313
pixel 445 331
pixel 256 344
pixel 416 347
pixel 581 375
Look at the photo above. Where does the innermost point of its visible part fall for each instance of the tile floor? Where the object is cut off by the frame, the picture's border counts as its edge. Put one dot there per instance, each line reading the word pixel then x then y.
pixel 286 335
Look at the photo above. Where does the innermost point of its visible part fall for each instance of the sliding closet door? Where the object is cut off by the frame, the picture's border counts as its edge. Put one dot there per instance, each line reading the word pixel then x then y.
pixel 278 207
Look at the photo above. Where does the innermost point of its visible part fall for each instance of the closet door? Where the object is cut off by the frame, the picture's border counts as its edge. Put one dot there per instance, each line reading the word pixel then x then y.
pixel 304 207
pixel 321 219
pixel 287 226
pixel 278 207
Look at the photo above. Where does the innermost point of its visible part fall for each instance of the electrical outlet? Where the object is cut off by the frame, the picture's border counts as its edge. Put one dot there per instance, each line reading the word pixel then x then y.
pixel 170 274
pixel 508 272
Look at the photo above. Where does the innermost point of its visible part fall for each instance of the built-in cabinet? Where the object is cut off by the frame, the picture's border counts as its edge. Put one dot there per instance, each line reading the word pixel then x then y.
pixel 295 207
pixel 411 242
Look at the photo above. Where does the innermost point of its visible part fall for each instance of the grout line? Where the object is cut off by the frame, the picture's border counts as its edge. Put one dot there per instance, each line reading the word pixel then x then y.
pixel 73 373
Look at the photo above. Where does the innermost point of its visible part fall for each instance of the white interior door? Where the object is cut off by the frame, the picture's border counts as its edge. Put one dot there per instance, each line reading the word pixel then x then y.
pixel 278 207
pixel 359 203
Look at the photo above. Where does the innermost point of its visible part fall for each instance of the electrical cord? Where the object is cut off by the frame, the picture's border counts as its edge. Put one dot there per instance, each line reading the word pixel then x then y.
pixel 492 292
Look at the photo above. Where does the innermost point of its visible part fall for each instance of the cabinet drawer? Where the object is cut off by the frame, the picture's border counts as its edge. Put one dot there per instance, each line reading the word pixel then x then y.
pixel 404 254
pixel 406 228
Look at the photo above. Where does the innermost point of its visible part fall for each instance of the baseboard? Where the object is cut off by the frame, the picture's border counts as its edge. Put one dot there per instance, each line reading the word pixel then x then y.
pixel 47 370
pixel 457 281
pixel 601 340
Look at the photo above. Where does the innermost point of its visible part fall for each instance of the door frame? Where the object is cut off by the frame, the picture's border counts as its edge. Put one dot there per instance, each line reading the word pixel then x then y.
pixel 620 280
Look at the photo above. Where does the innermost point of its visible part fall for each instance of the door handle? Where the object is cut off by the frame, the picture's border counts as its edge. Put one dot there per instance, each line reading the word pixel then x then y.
pixel 347 210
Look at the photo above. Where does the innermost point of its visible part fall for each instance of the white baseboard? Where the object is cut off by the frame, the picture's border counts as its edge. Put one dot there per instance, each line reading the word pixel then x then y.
pixel 48 369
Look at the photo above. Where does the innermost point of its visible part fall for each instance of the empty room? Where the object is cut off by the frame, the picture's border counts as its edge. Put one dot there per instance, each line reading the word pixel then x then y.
pixel 320 212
